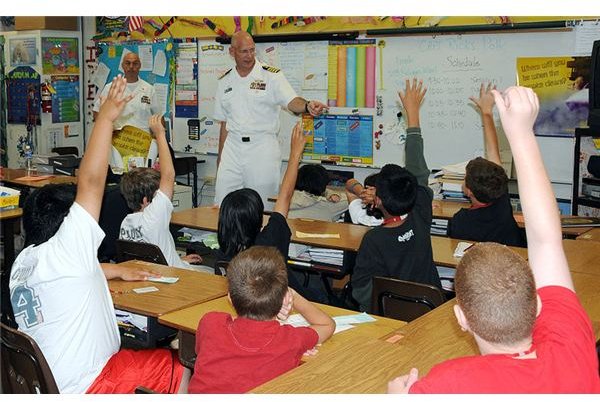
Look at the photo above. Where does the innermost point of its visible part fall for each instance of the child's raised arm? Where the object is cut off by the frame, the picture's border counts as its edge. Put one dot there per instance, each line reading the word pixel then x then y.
pixel 412 99
pixel 291 173
pixel 167 171
pixel 518 108
pixel 485 104
pixel 92 173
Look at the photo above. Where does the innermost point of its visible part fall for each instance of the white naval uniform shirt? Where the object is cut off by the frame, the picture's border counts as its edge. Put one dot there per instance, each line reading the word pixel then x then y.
pixel 250 105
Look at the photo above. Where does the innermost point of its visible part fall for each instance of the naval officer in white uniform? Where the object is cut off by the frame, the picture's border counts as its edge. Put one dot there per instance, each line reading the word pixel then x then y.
pixel 248 101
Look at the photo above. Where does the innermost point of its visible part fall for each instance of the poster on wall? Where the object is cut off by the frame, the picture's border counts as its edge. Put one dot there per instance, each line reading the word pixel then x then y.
pixel 60 55
pixel 65 100
pixel 23 96
pixel 23 52
pixel 561 84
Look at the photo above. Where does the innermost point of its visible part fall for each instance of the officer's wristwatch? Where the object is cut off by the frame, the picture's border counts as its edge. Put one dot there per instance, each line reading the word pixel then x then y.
pixel 306 106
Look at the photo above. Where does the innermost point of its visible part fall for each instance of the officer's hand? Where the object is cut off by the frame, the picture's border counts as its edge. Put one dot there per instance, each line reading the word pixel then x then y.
pixel 316 108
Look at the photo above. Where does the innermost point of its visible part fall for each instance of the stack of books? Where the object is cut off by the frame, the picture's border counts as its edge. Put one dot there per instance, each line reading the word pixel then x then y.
pixel 451 178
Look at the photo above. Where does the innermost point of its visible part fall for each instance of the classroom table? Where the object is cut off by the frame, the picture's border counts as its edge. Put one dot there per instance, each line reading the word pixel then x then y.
pixel 583 256
pixel 367 366
pixel 443 250
pixel 20 177
pixel 592 234
pixel 186 321
pixel 430 339
pixel 192 288
pixel 350 236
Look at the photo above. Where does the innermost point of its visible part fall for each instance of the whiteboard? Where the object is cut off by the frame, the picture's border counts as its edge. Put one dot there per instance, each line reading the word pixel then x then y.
pixel 452 67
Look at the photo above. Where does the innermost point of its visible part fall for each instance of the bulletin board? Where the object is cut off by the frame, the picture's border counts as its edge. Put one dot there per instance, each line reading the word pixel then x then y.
pixel 452 66
pixel 157 66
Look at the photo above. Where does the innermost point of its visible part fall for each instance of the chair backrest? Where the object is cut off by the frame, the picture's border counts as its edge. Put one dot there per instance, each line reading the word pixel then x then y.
pixel 66 151
pixel 184 165
pixel 404 300
pixel 24 367
pixel 133 250
pixel 221 267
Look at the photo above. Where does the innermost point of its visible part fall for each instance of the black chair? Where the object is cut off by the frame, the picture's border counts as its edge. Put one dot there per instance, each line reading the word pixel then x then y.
pixel 188 166
pixel 221 268
pixel 404 300
pixel 24 367
pixel 133 250
pixel 66 151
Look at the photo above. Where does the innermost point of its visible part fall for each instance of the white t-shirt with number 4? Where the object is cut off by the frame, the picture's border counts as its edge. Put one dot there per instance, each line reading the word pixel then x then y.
pixel 60 298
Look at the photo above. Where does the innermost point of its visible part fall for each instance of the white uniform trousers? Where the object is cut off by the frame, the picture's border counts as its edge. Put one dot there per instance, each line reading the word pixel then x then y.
pixel 255 164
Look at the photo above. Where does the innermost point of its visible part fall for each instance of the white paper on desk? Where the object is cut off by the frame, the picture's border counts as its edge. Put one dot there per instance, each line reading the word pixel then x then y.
pixel 296 320
pixel 164 279
pixel 461 247
pixel 353 319
pixel 302 235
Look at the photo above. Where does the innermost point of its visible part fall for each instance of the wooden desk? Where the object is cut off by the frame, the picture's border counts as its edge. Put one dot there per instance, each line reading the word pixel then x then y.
pixel 206 218
pixel 12 176
pixel 186 320
pixel 583 256
pixel 592 234
pixel 192 288
pixel 443 251
pixel 424 342
pixel 587 287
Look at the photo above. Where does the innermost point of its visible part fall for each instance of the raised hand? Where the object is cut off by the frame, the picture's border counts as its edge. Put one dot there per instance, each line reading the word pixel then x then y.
pixel 518 108
pixel 297 141
pixel 485 102
pixel 113 104
pixel 411 99
pixel 156 127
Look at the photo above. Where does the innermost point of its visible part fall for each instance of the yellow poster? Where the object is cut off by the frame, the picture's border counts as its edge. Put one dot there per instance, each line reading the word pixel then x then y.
pixel 133 145
pixel 561 84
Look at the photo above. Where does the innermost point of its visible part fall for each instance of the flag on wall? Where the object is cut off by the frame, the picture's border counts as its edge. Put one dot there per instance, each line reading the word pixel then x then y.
pixel 135 23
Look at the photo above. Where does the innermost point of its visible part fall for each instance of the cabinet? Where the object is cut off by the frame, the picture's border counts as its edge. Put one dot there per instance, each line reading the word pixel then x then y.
pixel 587 144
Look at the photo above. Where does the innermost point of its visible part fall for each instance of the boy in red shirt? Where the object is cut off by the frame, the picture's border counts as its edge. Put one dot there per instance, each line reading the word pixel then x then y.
pixel 238 354
pixel 530 342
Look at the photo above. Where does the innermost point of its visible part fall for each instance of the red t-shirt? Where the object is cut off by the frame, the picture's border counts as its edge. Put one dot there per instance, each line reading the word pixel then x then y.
pixel 237 355
pixel 566 361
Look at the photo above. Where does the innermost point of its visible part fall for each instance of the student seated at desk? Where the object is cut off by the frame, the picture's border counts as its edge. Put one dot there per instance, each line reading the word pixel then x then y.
pixel 401 247
pixel 311 198
pixel 59 291
pixel 148 193
pixel 530 342
pixel 235 355
pixel 490 217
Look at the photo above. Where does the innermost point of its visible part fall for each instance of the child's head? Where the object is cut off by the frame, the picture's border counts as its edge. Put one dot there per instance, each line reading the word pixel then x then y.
pixel 396 187
pixel 137 184
pixel 486 180
pixel 313 179
pixel 257 282
pixel 240 220
pixel 44 211
pixel 495 290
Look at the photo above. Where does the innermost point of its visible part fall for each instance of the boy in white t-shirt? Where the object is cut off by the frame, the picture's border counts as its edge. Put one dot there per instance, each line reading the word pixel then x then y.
pixel 148 193
pixel 59 290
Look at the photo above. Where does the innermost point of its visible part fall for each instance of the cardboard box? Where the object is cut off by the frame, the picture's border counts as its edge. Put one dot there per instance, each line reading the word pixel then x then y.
pixel 41 22
pixel 9 198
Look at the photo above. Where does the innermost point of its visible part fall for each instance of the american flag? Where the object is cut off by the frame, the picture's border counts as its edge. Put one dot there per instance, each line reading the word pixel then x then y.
pixel 135 23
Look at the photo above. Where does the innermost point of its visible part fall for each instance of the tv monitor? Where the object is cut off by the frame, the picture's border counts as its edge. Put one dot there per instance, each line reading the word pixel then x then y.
pixel 594 89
